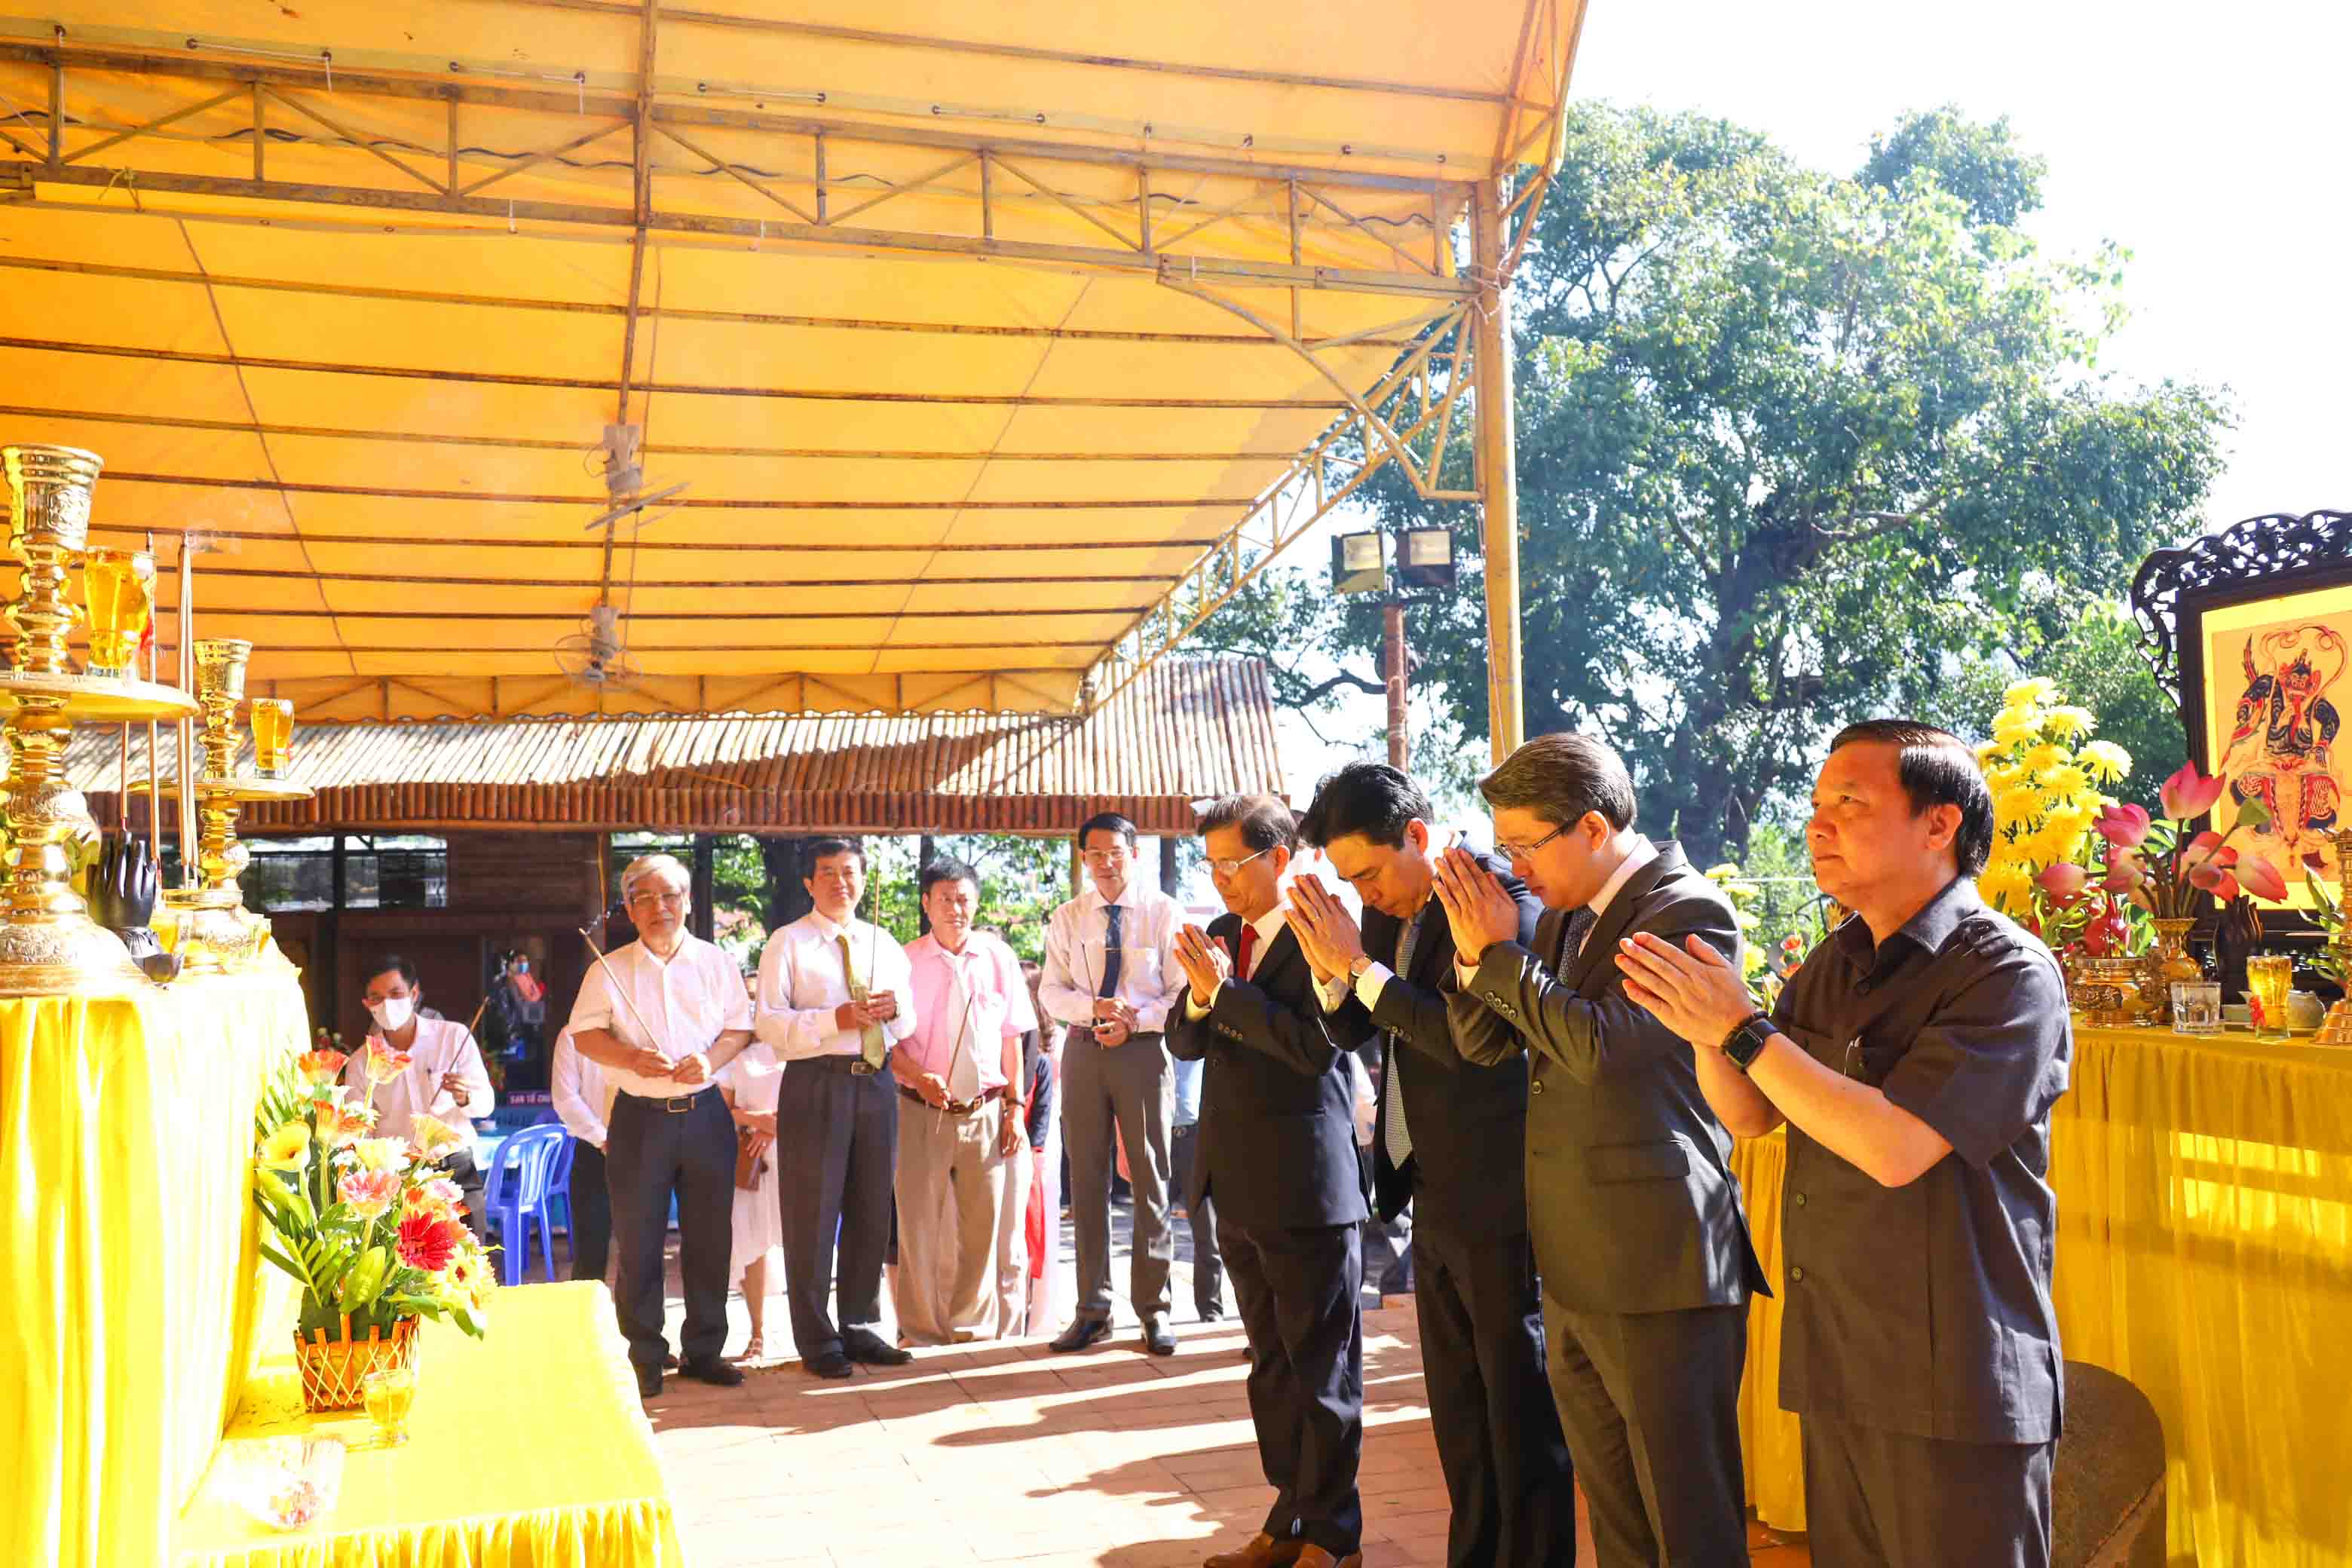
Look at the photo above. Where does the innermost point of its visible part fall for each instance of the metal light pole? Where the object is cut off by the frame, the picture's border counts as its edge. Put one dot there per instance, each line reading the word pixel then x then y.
pixel 1424 559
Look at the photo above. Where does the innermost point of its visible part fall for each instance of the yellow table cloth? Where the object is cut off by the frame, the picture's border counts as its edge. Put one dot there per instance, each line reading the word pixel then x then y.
pixel 2205 1253
pixel 131 1293
pixel 527 1449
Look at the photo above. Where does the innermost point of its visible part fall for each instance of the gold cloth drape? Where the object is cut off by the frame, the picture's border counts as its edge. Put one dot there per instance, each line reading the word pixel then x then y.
pixel 2205 1253
pixel 131 1293
pixel 527 1449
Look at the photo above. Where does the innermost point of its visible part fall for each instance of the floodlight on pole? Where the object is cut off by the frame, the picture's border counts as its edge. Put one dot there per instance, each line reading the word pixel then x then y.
pixel 1358 563
pixel 1425 558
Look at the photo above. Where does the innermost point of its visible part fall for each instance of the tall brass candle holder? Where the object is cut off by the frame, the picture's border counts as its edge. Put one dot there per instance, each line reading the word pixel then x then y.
pixel 214 930
pixel 47 941
pixel 2335 1029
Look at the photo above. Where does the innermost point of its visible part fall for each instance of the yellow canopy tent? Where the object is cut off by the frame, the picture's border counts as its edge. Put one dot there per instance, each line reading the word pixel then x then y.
pixel 992 346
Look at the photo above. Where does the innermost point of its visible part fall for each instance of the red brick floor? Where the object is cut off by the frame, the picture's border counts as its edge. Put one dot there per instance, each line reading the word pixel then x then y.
pixel 1007 1453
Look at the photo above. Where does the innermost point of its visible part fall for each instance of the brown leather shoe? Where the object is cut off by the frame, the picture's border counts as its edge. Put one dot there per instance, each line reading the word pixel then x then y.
pixel 1265 1551
pixel 1313 1556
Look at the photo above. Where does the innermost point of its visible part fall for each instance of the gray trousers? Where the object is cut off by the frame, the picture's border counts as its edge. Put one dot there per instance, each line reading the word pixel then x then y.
pixel 1875 1498
pixel 653 1153
pixel 837 1145
pixel 1650 1402
pixel 1132 1087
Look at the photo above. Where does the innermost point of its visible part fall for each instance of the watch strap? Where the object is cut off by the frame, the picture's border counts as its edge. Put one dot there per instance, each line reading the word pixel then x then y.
pixel 1746 1041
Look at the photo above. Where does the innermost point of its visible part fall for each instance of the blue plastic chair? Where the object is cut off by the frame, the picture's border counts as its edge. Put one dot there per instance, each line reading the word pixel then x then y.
pixel 514 1196
pixel 559 1196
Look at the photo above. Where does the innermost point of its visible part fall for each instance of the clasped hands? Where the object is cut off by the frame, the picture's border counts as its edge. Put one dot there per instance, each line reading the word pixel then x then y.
pixel 1207 963
pixel 692 1072
pixel 853 1017
pixel 1326 932
pixel 1478 908
pixel 1115 1021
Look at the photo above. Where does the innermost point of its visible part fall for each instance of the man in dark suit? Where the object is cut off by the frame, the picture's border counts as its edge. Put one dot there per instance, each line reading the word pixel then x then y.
pixel 1638 1231
pixel 1278 1151
pixel 1444 1129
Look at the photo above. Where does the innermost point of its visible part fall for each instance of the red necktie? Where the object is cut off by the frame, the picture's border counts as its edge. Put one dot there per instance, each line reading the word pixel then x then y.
pixel 1243 949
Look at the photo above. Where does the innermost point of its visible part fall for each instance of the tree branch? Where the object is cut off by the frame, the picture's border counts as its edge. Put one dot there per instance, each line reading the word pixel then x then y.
pixel 1315 694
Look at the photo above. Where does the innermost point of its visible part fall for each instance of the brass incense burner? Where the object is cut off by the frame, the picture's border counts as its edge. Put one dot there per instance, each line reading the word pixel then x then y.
pixel 49 944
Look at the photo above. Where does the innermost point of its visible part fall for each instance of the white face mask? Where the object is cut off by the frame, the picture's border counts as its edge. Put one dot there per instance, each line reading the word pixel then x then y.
pixel 391 1014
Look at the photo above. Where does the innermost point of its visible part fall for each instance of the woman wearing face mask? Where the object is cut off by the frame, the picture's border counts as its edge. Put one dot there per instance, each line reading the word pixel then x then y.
pixel 445 1078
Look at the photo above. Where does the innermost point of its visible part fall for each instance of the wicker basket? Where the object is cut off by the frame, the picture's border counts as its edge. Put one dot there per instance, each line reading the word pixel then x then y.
pixel 332 1370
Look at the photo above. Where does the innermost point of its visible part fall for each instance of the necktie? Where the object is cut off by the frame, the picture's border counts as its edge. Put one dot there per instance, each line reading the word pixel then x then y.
pixel 963 1061
pixel 1400 1138
pixel 1571 938
pixel 1245 946
pixel 871 1045
pixel 1111 952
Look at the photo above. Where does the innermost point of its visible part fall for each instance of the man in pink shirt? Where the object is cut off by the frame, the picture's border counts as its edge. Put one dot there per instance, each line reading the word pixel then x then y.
pixel 963 1179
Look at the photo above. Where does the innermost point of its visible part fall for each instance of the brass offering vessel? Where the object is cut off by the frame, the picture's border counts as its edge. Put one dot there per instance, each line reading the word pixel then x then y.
pixel 211 930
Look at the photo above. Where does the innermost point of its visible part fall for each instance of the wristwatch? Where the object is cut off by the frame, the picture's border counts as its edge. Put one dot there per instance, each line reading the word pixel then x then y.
pixel 1358 964
pixel 1745 1043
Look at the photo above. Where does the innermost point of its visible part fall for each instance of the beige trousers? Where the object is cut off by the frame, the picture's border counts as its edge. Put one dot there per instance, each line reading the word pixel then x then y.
pixel 962 1254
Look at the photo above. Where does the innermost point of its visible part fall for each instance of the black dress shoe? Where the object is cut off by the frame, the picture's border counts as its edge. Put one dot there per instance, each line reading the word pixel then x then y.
pixel 1081 1334
pixel 649 1382
pixel 828 1364
pixel 669 1361
pixel 1156 1338
pixel 869 1349
pixel 711 1368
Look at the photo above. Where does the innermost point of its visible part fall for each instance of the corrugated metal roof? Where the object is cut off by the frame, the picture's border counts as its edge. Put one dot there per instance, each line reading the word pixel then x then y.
pixel 1189 728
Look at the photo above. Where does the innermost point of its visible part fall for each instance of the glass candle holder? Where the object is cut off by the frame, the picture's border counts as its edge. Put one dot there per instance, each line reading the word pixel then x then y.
pixel 2196 1007
pixel 118 590
pixel 389 1391
pixel 2269 977
pixel 273 735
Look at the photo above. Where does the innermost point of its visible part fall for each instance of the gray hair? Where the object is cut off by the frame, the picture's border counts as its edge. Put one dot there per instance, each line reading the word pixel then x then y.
pixel 667 867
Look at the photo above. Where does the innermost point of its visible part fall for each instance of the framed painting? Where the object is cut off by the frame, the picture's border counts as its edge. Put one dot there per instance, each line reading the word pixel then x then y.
pixel 2252 626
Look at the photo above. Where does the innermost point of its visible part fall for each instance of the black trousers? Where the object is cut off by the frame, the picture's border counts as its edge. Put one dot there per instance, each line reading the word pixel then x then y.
pixel 1208 1263
pixel 1298 1292
pixel 837 1148
pixel 1886 1500
pixel 652 1154
pixel 463 1169
pixel 1650 1401
pixel 592 1213
pixel 1498 1437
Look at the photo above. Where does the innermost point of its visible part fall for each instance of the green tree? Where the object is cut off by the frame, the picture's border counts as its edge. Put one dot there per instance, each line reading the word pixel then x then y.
pixel 1790 444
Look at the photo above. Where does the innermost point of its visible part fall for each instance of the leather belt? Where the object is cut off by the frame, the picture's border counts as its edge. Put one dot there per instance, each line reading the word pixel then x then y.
pixel 953 1107
pixel 676 1105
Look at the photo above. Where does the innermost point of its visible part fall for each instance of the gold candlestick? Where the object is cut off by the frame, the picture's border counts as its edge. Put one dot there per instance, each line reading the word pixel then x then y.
pixel 48 940
pixel 2335 1029
pixel 215 931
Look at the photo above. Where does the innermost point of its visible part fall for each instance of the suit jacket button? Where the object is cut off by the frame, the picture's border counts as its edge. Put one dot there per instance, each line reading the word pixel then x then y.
pixel 1796 1275
pixel 1536 1088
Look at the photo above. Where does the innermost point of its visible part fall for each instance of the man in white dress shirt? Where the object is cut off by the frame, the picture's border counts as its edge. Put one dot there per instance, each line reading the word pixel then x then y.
pixel 445 1078
pixel 583 1103
pixel 963 1154
pixel 662 1015
pixel 835 994
pixel 1111 973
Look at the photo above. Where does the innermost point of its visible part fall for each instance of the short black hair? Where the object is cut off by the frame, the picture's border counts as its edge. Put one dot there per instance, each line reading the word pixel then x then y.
pixel 390 964
pixel 1264 820
pixel 1936 768
pixel 1562 777
pixel 823 848
pixel 1368 798
pixel 1107 822
pixel 946 868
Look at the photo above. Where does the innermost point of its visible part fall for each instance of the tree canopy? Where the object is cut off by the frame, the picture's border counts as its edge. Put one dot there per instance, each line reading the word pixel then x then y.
pixel 1793 447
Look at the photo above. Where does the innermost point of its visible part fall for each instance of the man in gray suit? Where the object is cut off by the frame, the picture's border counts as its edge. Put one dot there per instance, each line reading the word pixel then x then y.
pixel 1638 1232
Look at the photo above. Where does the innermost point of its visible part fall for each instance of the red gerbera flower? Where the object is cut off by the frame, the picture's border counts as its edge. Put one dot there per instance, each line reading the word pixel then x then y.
pixel 428 1240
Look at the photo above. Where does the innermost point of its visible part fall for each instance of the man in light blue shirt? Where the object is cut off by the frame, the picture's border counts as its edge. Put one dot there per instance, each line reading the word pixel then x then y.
pixel 1200 1208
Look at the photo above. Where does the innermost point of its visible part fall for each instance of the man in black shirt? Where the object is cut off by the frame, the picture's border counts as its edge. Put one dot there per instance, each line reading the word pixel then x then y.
pixel 1915 1059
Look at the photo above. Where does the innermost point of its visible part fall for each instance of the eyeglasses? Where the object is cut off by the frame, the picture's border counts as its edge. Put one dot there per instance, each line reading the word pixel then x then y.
pixel 1227 868
pixel 646 901
pixel 1527 851
pixel 1106 857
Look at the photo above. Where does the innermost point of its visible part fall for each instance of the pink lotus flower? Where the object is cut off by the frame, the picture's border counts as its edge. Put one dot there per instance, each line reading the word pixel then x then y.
pixel 2261 879
pixel 2062 880
pixel 2123 825
pixel 2126 871
pixel 370 1192
pixel 2188 794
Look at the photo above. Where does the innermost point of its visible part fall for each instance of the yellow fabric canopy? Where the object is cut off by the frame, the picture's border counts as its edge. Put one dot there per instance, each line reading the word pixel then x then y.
pixel 987 341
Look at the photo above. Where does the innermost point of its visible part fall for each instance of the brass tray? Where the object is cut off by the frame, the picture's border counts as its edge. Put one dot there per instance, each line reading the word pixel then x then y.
pixel 98 698
pixel 240 788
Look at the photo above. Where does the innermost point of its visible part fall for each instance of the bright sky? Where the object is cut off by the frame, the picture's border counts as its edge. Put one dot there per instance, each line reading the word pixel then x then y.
pixel 2211 143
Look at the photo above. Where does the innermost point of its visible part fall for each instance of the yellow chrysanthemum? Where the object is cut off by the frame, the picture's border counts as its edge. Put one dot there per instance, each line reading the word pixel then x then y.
pixel 2105 761
pixel 2016 727
pixel 2066 782
pixel 2006 887
pixel 2034 691
pixel 2068 723
pixel 2047 756
pixel 1986 751
pixel 288 1148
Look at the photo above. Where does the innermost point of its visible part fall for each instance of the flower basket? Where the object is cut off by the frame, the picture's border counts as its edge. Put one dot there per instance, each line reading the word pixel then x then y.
pixel 334 1370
